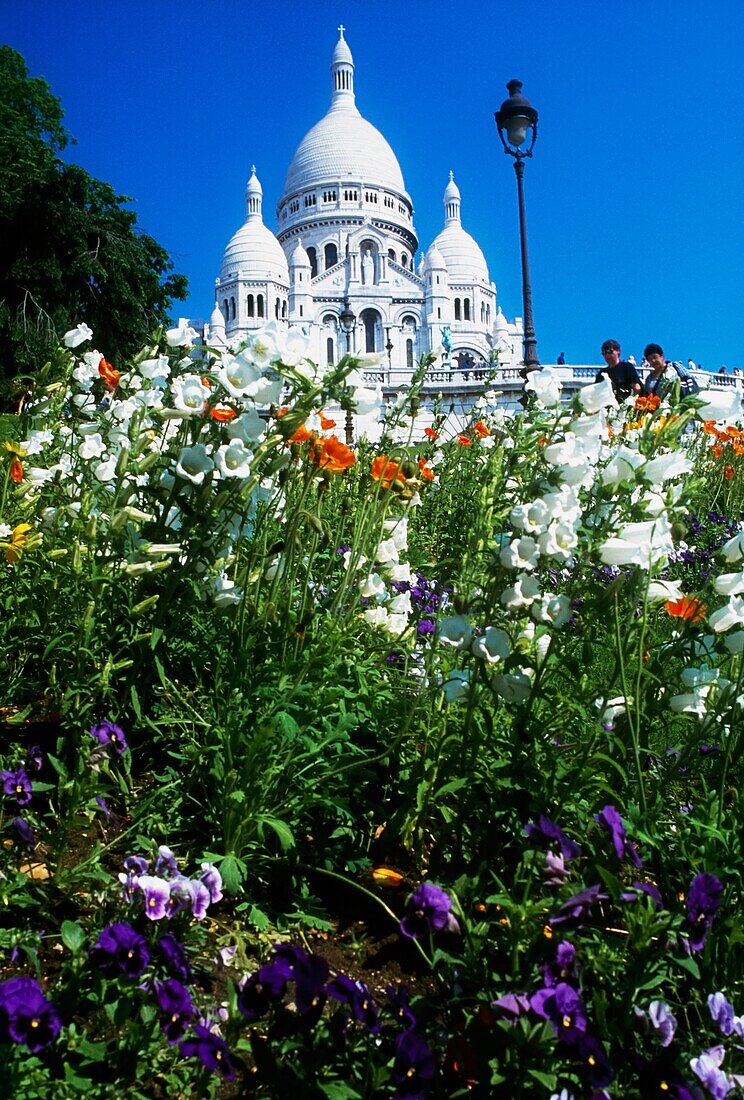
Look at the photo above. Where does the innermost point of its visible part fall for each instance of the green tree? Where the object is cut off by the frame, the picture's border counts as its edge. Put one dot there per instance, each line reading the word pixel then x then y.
pixel 71 251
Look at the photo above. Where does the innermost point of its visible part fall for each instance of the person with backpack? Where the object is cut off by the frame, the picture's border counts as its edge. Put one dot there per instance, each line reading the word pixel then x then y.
pixel 663 374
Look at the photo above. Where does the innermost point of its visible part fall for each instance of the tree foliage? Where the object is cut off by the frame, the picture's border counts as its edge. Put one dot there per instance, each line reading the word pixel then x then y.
pixel 71 250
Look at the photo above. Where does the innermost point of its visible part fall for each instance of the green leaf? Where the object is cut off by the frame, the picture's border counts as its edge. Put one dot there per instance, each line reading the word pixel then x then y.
pixel 73 937
pixel 689 965
pixel 233 872
pixel 258 918
pixel 547 1079
pixel 280 828
pixel 338 1090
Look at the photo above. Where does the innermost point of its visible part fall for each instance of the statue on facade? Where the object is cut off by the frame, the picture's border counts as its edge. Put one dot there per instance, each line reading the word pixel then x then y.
pixel 446 341
pixel 368 268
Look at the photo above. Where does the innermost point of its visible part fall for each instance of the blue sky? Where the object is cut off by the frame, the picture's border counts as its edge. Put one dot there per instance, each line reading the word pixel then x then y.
pixel 635 193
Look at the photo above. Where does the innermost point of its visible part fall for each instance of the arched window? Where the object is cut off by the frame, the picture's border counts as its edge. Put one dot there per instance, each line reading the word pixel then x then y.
pixel 330 255
pixel 232 309
pixel 403 260
pixel 391 255
pixel 259 305
pixel 483 313
pixel 329 352
pixel 225 310
pixel 284 309
pixel 370 320
pixel 276 309
pixel 409 354
pixel 488 315
pixel 457 309
pixel 250 306
pixel 466 306
pixel 313 257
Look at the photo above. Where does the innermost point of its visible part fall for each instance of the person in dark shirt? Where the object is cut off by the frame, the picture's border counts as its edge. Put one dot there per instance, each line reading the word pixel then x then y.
pixel 623 375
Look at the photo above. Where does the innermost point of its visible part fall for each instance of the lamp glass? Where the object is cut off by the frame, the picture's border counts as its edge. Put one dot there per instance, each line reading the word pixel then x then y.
pixel 516 128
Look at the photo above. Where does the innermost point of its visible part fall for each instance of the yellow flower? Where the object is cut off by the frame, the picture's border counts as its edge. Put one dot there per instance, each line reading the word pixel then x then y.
pixel 14 448
pixel 18 539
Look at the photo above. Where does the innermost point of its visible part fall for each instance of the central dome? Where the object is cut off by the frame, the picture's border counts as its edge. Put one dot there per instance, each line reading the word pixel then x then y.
pixel 343 146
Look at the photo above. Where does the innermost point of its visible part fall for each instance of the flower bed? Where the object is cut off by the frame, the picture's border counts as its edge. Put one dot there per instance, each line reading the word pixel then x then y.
pixel 476 688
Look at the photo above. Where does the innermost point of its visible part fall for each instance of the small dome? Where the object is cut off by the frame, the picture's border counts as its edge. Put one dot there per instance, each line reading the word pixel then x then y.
pixel 299 257
pixel 500 324
pixel 216 320
pixel 435 259
pixel 451 191
pixel 254 250
pixel 463 257
pixel 342 53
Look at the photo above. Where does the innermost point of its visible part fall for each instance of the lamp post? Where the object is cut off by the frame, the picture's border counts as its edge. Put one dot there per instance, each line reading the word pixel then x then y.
pixel 389 349
pixel 348 320
pixel 516 121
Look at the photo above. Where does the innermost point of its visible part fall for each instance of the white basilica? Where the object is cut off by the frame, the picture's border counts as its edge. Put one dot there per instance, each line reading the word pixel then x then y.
pixel 346 245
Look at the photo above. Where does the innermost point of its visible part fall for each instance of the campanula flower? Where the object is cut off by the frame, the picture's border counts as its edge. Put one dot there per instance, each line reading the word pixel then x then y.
pixel 545 829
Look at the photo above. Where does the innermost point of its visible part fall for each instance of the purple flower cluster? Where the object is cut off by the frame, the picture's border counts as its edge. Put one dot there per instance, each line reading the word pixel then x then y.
pixel 426 598
pixel 26 1016
pixel 168 892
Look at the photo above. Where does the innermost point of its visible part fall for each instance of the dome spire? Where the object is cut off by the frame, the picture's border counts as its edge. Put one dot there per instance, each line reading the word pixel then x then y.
pixel 253 197
pixel 451 201
pixel 342 71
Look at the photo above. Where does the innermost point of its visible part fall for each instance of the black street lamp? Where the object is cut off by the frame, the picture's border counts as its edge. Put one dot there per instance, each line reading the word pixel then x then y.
pixel 389 349
pixel 348 320
pixel 518 118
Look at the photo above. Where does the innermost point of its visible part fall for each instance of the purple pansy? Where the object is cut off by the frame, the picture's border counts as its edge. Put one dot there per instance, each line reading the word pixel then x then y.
pixel 708 1069
pixel 578 908
pixel 24 832
pixel 611 820
pixel 176 1009
pixel 26 1016
pixel 35 761
pixel 661 1018
pixel 166 861
pixel 562 1005
pixel 561 969
pixel 18 785
pixel 545 829
pixel 137 865
pixel 413 1067
pixel 174 956
pixel 511 1006
pixel 660 1078
pixel 400 1001
pixel 591 1054
pixel 554 871
pixel 703 902
pixel 428 909
pixel 356 995
pixel 109 734
pixel 310 975
pixel 156 892
pixel 211 1050
pixel 264 988
pixel 119 949
pixel 212 879
pixel 721 1012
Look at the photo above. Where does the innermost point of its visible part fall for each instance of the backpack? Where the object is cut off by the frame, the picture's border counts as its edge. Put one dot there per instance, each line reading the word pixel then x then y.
pixel 688 387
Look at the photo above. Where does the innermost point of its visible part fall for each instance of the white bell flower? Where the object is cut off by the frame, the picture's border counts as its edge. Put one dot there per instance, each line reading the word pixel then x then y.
pixel 375 616
pixel 224 592
pixel 559 541
pixel 522 553
pixel 598 395
pixel 233 459
pixel 729 584
pixel 644 543
pixel 492 646
pixel 664 590
pixel 733 550
pixel 386 551
pixel 455 631
pixel 731 614
pixel 372 587
pixel 155 369
pixel 554 609
pixel 181 336
pixel 522 593
pixel 513 687
pixel 239 374
pixel 401 573
pixel 190 394
pixel 261 347
pixel 622 466
pixel 734 642
pixel 692 702
pixel 457 685
pixel 249 427
pixel 720 405
pixel 546 386
pixel 664 467
pixel 92 446
pixel 194 463
pixel 400 604
pixel 77 336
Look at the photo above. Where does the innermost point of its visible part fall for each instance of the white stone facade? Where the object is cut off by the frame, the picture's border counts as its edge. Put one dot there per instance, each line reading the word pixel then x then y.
pixel 346 237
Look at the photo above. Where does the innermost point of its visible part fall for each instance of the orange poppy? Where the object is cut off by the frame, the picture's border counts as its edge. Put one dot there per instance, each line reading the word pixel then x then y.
pixel 689 607
pixel 16 470
pixel 109 375
pixel 649 403
pixel 464 440
pixel 331 455
pixel 386 471
pixel 716 450
pixel 426 471
pixel 709 426
pixel 480 429
pixel 301 435
pixel 430 433
pixel 222 414
pixel 385 876
pixel 728 472
pixel 326 423
pixel 282 412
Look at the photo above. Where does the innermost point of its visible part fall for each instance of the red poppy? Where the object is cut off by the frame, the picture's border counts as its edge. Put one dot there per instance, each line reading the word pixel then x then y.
pixel 464 440
pixel 386 471
pixel 326 423
pixel 16 470
pixel 331 455
pixel 109 375
pixel 689 607
pixel 222 414
pixel 430 433
pixel 728 472
pixel 480 429
pixel 301 435
pixel 426 471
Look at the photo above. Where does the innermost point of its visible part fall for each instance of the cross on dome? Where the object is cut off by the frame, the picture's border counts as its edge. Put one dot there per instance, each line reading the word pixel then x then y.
pixel 341 30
